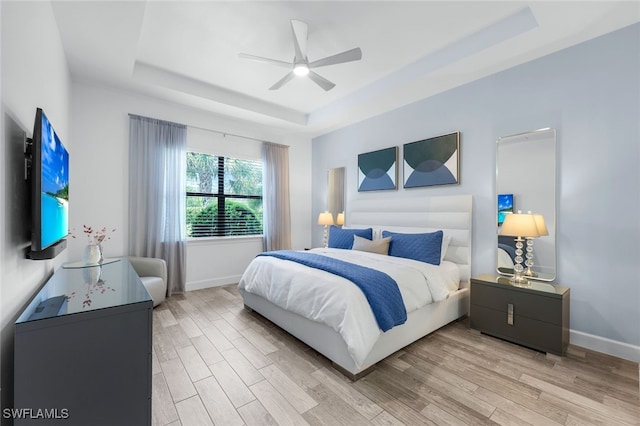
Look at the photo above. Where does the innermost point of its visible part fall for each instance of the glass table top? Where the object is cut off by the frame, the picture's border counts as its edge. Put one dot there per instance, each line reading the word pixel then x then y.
pixel 76 290
pixel 532 285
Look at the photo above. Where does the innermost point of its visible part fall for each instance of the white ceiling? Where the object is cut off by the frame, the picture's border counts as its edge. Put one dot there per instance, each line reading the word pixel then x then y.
pixel 187 52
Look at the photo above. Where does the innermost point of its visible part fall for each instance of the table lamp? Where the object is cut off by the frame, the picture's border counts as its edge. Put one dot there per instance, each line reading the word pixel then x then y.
pixel 543 231
pixel 521 226
pixel 325 219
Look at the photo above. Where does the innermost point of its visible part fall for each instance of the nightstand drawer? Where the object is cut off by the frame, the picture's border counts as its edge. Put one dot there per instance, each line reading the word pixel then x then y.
pixel 525 304
pixel 525 331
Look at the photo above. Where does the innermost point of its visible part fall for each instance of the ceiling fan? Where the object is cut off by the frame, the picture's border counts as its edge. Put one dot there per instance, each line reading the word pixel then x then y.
pixel 301 65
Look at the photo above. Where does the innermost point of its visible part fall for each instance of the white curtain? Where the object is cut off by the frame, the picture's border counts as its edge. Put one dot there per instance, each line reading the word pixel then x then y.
pixel 275 197
pixel 157 216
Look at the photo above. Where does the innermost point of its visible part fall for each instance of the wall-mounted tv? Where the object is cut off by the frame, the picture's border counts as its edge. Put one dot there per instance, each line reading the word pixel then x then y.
pixel 49 190
pixel 505 206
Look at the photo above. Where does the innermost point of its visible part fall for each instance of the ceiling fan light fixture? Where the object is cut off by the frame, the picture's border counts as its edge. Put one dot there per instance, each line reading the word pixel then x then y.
pixel 301 70
pixel 301 67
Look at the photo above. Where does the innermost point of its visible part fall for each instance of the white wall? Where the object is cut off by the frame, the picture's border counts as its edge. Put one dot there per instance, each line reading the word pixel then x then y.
pixel 591 94
pixel 99 177
pixel 34 74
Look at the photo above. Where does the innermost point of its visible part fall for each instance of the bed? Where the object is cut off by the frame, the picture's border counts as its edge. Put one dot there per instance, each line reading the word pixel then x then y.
pixel 355 357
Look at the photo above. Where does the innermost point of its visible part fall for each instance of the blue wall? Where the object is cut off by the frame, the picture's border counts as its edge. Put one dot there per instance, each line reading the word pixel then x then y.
pixel 591 94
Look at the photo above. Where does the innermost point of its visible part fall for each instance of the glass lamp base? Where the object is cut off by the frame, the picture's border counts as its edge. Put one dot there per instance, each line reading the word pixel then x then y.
pixel 519 281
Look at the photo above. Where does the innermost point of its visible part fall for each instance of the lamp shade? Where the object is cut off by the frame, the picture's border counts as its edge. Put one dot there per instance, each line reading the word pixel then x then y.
pixel 541 225
pixel 325 218
pixel 340 219
pixel 519 225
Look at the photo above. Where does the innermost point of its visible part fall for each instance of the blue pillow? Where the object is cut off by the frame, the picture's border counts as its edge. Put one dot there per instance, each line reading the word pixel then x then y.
pixel 343 238
pixel 423 247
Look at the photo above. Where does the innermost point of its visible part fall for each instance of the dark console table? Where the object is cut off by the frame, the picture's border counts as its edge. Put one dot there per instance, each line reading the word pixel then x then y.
pixel 83 349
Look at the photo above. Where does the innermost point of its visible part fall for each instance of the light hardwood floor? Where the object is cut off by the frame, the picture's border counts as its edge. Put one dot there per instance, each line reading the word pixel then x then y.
pixel 216 363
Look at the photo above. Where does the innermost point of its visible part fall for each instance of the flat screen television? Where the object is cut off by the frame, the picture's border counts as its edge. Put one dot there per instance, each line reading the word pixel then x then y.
pixel 49 183
pixel 505 206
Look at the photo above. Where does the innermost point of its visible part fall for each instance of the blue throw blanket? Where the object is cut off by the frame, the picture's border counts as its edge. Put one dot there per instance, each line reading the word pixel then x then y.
pixel 380 289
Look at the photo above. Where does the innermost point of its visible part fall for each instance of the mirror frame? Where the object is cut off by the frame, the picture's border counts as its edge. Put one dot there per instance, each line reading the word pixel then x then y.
pixel 549 209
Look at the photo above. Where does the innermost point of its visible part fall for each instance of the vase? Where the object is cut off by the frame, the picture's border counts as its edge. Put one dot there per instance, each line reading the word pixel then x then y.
pixel 92 275
pixel 92 254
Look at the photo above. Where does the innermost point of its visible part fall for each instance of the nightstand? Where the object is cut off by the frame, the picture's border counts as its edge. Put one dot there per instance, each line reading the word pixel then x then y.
pixel 536 316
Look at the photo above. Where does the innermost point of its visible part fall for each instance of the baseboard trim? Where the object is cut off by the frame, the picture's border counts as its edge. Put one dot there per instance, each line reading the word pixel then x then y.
pixel 604 345
pixel 199 285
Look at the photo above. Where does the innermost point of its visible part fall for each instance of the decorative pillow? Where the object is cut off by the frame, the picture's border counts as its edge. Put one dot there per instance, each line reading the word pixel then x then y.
pixel 422 247
pixel 380 246
pixel 446 239
pixel 343 238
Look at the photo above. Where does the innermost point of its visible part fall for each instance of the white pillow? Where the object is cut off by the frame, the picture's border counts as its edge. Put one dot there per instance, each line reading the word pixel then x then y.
pixel 379 246
pixel 445 245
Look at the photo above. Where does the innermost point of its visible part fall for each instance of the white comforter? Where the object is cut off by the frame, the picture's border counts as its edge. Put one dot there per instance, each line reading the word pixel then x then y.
pixel 335 301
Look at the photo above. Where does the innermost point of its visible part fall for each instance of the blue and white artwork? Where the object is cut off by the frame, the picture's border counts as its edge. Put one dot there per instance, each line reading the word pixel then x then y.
pixel 505 206
pixel 433 161
pixel 378 170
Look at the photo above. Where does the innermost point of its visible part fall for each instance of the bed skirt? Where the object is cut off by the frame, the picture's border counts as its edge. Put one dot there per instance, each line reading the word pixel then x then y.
pixel 330 343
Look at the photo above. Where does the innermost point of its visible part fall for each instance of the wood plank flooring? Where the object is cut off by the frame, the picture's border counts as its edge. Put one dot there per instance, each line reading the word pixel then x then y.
pixel 214 363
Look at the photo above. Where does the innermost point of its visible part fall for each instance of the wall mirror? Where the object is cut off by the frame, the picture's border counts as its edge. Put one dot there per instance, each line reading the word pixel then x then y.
pixel 526 182
pixel 335 193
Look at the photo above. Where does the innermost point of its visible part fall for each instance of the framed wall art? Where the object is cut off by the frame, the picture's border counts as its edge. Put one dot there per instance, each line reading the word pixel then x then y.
pixel 433 161
pixel 378 170
pixel 505 206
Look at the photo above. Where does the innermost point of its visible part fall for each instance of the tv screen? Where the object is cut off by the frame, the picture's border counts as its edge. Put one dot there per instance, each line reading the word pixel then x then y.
pixel 505 206
pixel 50 185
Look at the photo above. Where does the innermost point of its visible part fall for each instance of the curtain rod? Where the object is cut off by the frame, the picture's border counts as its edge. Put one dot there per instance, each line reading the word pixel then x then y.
pixel 213 131
pixel 156 119
pixel 237 136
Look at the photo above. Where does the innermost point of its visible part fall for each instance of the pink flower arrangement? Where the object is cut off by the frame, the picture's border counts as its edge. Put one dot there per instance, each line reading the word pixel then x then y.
pixel 93 286
pixel 95 237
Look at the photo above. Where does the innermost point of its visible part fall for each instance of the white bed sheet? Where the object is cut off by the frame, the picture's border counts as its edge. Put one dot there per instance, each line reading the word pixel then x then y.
pixel 332 300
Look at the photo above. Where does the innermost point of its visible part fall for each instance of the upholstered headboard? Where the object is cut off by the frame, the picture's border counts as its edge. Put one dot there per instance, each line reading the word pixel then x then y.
pixel 450 213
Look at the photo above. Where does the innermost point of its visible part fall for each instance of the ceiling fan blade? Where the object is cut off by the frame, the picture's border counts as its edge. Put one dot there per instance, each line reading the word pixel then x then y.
pixel 348 56
pixel 267 60
pixel 284 80
pixel 300 30
pixel 321 81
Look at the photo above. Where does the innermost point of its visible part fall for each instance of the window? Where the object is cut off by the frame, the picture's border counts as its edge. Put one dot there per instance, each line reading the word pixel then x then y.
pixel 224 196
